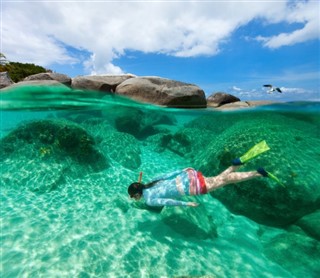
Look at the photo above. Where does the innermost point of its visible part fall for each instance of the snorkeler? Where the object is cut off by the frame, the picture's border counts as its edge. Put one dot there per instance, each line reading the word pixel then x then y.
pixel 165 189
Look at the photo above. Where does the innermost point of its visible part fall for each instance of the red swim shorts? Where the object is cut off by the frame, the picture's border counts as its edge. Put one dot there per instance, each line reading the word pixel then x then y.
pixel 202 183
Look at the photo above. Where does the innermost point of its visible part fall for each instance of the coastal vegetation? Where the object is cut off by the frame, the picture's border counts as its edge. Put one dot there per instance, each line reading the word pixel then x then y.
pixel 18 71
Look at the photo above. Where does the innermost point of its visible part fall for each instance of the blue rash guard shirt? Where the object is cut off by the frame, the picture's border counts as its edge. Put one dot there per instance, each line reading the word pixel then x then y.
pixel 174 185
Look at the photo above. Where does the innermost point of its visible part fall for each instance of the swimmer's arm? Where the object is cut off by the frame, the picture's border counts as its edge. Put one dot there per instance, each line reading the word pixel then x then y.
pixel 159 202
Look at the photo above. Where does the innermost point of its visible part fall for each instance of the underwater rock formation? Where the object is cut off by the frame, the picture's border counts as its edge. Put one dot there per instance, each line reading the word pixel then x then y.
pixel 119 147
pixel 56 148
pixel 286 248
pixel 139 123
pixel 270 202
pixel 310 224
pixel 211 142
pixel 195 223
pixel 185 142
pixel 123 148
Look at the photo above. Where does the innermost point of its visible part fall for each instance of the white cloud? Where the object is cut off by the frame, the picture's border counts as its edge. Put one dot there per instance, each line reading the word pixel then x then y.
pixel 295 90
pixel 32 47
pixel 252 94
pixel 33 32
pixel 307 13
pixel 235 88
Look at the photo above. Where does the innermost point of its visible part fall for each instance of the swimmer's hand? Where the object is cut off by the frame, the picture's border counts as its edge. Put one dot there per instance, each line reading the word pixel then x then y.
pixel 192 204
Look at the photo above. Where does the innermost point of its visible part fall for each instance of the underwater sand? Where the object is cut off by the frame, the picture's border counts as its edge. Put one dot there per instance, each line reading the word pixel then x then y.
pixel 65 211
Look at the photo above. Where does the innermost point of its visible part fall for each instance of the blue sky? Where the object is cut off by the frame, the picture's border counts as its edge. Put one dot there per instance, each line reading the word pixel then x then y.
pixel 229 46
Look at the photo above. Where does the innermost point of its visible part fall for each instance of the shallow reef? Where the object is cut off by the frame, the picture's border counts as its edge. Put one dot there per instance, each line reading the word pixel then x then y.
pixel 65 209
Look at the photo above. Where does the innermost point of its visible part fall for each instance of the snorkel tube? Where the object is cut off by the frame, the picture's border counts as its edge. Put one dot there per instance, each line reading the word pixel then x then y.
pixel 140 177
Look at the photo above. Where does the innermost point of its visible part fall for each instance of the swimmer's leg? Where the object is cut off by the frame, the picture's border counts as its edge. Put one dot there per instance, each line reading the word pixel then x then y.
pixel 226 178
pixel 230 169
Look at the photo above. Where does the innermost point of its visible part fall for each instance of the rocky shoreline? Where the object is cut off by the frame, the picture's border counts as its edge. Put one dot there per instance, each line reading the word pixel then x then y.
pixel 149 89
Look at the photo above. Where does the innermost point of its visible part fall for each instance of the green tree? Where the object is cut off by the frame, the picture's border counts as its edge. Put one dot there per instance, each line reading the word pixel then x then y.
pixel 18 71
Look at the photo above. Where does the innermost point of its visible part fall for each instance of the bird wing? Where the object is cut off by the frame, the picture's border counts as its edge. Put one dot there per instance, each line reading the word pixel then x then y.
pixel 269 86
pixel 278 89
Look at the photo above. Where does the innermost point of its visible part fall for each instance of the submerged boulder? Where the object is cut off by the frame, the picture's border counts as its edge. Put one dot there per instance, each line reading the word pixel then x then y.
pixel 139 123
pixel 190 222
pixel 288 248
pixel 262 199
pixel 122 148
pixel 51 150
pixel 310 224
pixel 163 91
pixel 185 142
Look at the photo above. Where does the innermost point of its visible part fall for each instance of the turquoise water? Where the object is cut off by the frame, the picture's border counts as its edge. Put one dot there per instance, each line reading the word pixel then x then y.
pixel 68 157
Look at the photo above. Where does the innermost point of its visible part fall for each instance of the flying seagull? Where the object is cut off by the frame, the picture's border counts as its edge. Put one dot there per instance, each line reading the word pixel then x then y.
pixel 272 89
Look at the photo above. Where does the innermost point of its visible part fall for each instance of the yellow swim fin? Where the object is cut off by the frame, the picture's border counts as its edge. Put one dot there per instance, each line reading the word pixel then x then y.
pixel 267 174
pixel 253 152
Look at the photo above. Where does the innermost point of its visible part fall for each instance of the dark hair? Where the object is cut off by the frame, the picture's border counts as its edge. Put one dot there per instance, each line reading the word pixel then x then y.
pixel 137 187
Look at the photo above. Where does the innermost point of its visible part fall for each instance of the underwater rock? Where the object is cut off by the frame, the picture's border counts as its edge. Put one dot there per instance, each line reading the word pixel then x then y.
pixel 163 91
pixel 288 248
pixel 310 224
pixel 98 127
pixel 218 99
pixel 186 142
pixel 189 222
pixel 139 123
pixel 134 125
pixel 270 203
pixel 35 175
pixel 179 143
pixel 106 83
pixel 46 143
pixel 123 148
pixel 62 78
pixel 79 117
